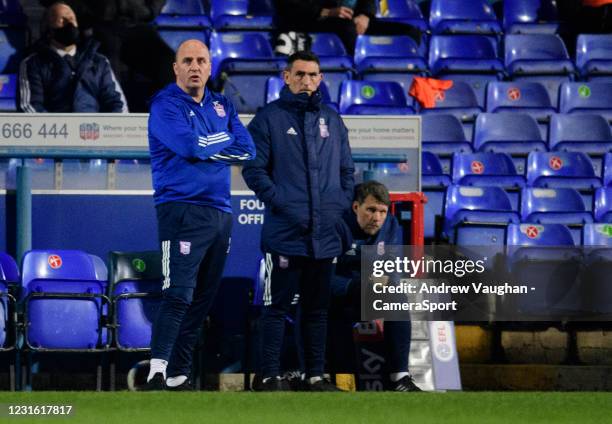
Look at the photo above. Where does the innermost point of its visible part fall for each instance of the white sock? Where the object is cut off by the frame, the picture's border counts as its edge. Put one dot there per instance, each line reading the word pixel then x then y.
pixel 313 380
pixel 176 381
pixel 397 376
pixel 157 365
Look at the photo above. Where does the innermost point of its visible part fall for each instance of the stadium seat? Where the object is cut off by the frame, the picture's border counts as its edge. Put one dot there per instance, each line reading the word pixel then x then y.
pixel 405 11
pixel 530 17
pixel 459 100
pixel 135 286
pixel 174 36
pixel 594 56
pixel 584 133
pixel 514 133
pixel 383 54
pixel 470 58
pixel 477 216
pixel 463 17
pixel 244 62
pixel 586 97
pixel 373 98
pixel 9 275
pixel 597 264
pixel 8 93
pixel 539 57
pixel 274 86
pixel 63 300
pixel 183 7
pixel 433 183
pixel 237 15
pixel 555 205
pixel 522 97
pixel 11 14
pixel 561 169
pixel 335 63
pixel 443 134
pixel 607 170
pixel 603 205
pixel 12 46
pixel 543 257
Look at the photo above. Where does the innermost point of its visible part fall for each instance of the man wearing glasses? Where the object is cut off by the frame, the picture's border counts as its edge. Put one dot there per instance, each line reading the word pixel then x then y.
pixel 303 172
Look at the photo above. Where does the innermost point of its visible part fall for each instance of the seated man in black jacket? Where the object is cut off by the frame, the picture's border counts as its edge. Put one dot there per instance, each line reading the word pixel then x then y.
pixel 66 74
pixel 346 18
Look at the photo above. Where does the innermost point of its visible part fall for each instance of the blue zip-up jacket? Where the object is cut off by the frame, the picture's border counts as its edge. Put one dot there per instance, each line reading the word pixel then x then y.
pixel 303 172
pixel 47 83
pixel 348 267
pixel 192 145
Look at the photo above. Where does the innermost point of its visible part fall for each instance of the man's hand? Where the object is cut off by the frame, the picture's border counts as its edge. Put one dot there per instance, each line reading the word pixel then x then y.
pixel 337 12
pixel 361 24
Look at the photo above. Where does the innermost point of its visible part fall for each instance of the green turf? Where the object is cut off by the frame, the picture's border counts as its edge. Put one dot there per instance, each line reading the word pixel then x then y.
pixel 295 408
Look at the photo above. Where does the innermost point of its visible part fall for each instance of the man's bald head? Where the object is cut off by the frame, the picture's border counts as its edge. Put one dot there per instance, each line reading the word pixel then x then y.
pixel 192 67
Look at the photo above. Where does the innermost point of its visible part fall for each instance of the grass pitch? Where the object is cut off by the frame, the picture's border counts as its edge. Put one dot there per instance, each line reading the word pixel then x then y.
pixel 312 408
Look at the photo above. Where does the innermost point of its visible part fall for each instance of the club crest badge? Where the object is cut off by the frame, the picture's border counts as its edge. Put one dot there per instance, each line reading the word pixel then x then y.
pixel 323 128
pixel 185 247
pixel 219 109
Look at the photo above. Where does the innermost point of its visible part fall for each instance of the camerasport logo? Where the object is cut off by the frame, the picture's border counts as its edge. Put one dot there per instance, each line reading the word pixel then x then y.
pixel 54 261
pixel 89 131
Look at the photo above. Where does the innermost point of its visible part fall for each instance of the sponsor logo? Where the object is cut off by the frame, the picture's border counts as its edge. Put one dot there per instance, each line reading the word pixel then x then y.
pixel 514 94
pixel 477 167
pixel 89 131
pixel 291 131
pixel 532 232
pixel 283 262
pixel 191 113
pixel 555 163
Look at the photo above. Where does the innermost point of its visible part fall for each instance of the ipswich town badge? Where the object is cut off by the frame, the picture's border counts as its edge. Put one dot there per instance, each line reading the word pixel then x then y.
pixel 219 109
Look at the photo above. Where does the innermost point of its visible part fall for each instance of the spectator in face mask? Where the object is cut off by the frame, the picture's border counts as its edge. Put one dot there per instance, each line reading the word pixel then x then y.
pixel 66 73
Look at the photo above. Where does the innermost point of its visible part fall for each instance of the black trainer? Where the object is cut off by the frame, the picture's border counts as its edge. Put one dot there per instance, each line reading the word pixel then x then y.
pixel 323 385
pixel 157 383
pixel 405 384
pixel 274 384
pixel 296 381
pixel 185 386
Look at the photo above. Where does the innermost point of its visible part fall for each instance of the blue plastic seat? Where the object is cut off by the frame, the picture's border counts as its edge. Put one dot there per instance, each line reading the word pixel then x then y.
pixel 520 96
pixel 244 61
pixel 405 11
pixel 12 46
pixel 8 93
pixel 274 86
pixel 530 17
pixel 561 169
pixel 335 63
pixel 584 133
pixel 555 205
pixel 9 274
pixel 469 58
pixel 174 36
pixel 586 97
pixel 598 235
pixel 388 53
pixel 373 97
pixel 543 257
pixel 463 17
pixel 607 170
pixel 598 267
pixel 433 183
pixel 477 216
pixel 514 133
pixel 594 55
pixel 485 169
pixel 11 14
pixel 603 205
pixel 443 134
pixel 460 100
pixel 135 286
pixel 64 301
pixel 183 7
pixel 237 15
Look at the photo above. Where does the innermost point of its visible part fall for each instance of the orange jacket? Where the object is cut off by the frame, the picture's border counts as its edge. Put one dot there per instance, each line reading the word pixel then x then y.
pixel 425 90
pixel 595 3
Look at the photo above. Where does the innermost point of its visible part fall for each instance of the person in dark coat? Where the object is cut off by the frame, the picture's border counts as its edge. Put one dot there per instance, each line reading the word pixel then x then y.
pixel 303 172
pixel 65 73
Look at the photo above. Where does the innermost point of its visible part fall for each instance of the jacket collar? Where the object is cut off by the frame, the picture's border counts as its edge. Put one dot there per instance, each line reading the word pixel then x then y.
pixel 301 101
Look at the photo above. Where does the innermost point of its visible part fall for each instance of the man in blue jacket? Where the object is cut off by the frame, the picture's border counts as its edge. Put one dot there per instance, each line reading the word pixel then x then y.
pixel 368 223
pixel 65 73
pixel 304 173
pixel 194 136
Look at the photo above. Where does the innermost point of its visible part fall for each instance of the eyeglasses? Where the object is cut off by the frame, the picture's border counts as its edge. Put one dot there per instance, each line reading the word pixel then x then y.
pixel 301 75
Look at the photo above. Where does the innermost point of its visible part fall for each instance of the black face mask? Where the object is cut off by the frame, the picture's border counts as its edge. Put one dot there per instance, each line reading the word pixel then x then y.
pixel 66 35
